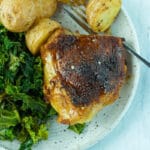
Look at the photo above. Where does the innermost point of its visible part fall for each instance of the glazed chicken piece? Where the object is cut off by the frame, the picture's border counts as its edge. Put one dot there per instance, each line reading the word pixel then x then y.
pixel 82 74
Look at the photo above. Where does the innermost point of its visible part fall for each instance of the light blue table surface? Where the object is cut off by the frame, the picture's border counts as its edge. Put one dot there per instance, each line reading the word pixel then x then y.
pixel 133 132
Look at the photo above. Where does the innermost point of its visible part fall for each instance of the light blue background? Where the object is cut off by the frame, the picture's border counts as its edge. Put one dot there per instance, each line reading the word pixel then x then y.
pixel 133 132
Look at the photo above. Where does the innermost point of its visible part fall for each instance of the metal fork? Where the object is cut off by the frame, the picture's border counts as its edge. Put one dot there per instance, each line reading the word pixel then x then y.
pixel 85 26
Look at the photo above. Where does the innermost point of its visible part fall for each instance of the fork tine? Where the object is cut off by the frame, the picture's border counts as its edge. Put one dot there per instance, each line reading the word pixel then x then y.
pixel 80 12
pixel 83 25
pixel 81 9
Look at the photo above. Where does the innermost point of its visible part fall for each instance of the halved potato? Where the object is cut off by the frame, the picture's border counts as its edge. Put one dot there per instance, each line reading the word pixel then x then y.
pixel 39 33
pixel 101 13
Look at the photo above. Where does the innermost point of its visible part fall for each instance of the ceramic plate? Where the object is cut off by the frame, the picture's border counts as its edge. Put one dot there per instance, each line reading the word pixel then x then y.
pixel 60 138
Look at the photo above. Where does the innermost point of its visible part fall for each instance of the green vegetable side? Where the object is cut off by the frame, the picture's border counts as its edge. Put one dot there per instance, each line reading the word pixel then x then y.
pixel 77 128
pixel 23 112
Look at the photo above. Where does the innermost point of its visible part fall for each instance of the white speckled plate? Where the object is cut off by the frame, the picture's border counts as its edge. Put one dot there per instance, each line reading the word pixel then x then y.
pixel 62 139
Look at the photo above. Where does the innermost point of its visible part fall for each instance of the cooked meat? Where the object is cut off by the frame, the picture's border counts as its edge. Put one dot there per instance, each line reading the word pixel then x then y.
pixel 82 74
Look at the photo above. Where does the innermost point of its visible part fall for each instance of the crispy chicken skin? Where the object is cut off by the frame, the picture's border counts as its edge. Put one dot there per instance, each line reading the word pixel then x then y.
pixel 82 74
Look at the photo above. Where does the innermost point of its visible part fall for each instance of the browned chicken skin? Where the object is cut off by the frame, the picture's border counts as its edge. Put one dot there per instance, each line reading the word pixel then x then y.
pixel 82 74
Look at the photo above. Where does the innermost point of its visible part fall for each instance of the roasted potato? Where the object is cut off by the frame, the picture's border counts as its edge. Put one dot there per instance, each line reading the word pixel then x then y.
pixel 39 33
pixel 17 15
pixel 45 8
pixel 101 13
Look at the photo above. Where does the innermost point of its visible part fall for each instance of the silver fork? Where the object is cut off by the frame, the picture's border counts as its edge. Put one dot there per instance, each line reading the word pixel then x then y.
pixel 81 20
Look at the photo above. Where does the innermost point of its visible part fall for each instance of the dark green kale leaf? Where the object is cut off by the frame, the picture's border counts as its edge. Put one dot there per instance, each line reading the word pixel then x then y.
pixel 7 134
pixel 77 128
pixel 26 145
pixel 36 133
pixel 23 111
pixel 8 118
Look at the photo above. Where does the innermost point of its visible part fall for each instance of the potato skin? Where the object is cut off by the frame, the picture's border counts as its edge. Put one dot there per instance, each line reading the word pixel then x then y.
pixel 101 13
pixel 45 8
pixel 17 15
pixel 39 33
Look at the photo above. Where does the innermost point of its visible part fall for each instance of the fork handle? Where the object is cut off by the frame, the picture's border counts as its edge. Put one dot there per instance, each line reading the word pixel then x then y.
pixel 131 50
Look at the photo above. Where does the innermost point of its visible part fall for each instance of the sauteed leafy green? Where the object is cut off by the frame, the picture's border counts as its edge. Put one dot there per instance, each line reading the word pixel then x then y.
pixel 23 112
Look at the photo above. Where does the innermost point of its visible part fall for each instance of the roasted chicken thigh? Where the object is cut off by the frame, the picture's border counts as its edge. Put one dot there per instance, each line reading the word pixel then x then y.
pixel 82 74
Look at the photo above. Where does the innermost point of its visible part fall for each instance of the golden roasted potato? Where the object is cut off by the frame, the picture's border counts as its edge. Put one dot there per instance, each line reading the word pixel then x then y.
pixel 101 13
pixel 17 15
pixel 73 2
pixel 39 33
pixel 45 8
